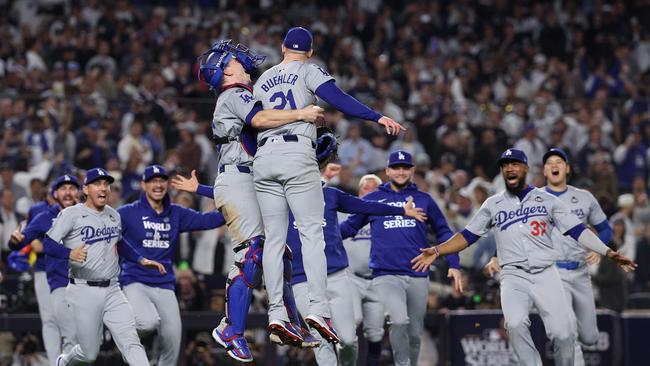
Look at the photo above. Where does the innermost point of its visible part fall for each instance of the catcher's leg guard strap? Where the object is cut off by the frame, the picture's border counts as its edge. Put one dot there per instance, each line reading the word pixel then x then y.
pixel 242 279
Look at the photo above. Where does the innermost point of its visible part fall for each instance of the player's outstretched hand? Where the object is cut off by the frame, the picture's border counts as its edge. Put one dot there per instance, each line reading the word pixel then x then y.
pixel 392 127
pixel 148 263
pixel 492 267
pixel 17 236
pixel 331 171
pixel 184 184
pixel 624 262
pixel 427 256
pixel 312 113
pixel 415 212
pixel 457 279
pixel 79 254
pixel 592 258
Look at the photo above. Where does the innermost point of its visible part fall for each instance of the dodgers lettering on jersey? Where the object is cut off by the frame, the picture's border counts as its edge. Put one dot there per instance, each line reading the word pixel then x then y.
pixel 230 112
pixel 523 227
pixel 290 85
pixel 585 206
pixel 78 225
pixel 155 236
pixel 396 243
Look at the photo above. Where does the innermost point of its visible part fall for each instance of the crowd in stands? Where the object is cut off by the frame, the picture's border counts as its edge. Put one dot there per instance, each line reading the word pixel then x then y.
pixel 85 84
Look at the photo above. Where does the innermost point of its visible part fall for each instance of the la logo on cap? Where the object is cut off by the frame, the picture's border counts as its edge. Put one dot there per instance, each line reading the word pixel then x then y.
pixel 66 178
pixel 156 170
pixel 508 152
pixel 100 172
pixel 295 45
pixel 400 156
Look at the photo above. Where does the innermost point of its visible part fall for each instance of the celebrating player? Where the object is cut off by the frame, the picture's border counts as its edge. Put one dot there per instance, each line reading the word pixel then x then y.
pixel 226 69
pixel 287 175
pixel 153 224
pixel 51 274
pixel 523 218
pixel 89 233
pixel 402 291
pixel 367 307
pixel 339 286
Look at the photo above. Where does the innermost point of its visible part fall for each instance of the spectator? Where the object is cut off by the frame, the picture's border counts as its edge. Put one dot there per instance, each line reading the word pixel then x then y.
pixel 7 181
pixel 355 151
pixel 134 142
pixel 9 220
pixel 631 160
pixel 610 278
pixel 188 150
pixel 37 194
pixel 624 215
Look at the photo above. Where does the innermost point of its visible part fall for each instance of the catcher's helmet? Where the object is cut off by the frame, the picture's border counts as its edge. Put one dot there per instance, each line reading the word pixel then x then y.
pixel 213 62
pixel 18 261
pixel 326 145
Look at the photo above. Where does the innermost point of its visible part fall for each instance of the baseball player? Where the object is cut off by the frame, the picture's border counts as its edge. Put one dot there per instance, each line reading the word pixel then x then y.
pixel 339 286
pixel 402 291
pixel 523 218
pixel 287 176
pixel 90 233
pixel 367 307
pixel 152 225
pixel 572 257
pixel 226 69
pixel 51 274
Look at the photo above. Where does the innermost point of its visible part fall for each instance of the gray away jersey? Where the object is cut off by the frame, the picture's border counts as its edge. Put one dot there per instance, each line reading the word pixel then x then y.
pixel 230 112
pixel 79 225
pixel 523 229
pixel 358 249
pixel 585 206
pixel 290 86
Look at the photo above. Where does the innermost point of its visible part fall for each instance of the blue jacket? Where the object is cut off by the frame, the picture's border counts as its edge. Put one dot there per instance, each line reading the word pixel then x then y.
pixel 55 269
pixel 335 200
pixel 397 240
pixel 155 236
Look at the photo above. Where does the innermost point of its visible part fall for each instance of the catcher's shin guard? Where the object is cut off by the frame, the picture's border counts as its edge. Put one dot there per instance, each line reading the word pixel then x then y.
pixel 242 281
pixel 289 300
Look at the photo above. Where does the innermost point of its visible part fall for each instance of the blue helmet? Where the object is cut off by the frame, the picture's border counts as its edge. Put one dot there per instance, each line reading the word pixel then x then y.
pixel 326 145
pixel 213 62
pixel 18 261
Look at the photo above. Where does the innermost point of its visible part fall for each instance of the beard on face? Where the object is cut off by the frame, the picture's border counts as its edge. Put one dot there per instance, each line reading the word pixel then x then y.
pixel 400 186
pixel 521 184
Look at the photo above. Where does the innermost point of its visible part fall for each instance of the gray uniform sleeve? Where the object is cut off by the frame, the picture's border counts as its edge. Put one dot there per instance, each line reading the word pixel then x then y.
pixel 562 217
pixel 596 214
pixel 315 76
pixel 481 222
pixel 238 104
pixel 61 225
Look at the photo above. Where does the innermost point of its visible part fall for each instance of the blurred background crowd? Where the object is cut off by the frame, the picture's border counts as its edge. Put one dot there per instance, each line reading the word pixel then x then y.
pixel 86 84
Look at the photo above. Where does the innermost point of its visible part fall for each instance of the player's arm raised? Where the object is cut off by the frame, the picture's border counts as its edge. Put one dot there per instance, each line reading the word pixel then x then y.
pixel 128 252
pixel 455 244
pixel 192 185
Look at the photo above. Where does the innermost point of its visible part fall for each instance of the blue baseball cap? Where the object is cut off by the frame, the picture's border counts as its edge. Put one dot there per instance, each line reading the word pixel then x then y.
pixel 513 155
pixel 400 157
pixel 153 171
pixel 97 174
pixel 298 39
pixel 64 179
pixel 556 151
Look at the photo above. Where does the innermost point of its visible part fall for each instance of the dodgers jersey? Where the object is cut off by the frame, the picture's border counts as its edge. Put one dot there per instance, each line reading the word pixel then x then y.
pixel 231 119
pixel 358 249
pixel 155 236
pixel 78 225
pixel 335 200
pixel 585 206
pixel 290 85
pixel 398 239
pixel 523 225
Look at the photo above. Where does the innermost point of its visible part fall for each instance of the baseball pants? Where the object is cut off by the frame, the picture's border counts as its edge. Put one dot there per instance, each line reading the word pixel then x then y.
pixel 520 290
pixel 64 319
pixel 157 308
pixel 580 294
pixel 287 177
pixel 49 327
pixel 93 306
pixel 404 299
pixel 367 308
pixel 340 294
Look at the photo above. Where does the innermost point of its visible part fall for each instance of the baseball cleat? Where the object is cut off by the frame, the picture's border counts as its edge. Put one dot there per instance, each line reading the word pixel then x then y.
pixel 286 332
pixel 324 327
pixel 235 344
pixel 308 340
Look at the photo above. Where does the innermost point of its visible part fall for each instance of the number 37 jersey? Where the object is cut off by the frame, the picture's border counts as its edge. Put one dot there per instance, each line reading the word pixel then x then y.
pixel 523 227
pixel 287 86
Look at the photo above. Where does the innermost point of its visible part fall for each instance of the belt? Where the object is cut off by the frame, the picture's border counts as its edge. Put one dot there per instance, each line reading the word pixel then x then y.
pixel 100 283
pixel 365 277
pixel 570 265
pixel 230 167
pixel 287 138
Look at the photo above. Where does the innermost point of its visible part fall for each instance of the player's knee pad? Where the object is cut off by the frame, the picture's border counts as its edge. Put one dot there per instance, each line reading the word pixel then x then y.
pixel 250 267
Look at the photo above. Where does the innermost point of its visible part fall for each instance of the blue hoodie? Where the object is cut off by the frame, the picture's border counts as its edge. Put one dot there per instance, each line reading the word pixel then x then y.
pixel 396 240
pixel 335 200
pixel 155 237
